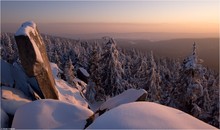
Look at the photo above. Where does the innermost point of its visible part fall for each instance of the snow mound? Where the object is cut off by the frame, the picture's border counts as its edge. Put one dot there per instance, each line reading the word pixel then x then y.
pixel 50 114
pixel 12 99
pixel 147 115
pixel 130 95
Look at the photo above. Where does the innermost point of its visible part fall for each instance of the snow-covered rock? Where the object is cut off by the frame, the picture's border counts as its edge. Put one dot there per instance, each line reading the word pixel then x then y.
pixel 51 114
pixel 4 119
pixel 147 115
pixel 12 99
pixel 13 76
pixel 26 28
pixel 33 56
pixel 83 74
pixel 130 95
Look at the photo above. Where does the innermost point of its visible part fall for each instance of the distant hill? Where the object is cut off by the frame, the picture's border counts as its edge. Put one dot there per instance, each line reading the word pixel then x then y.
pixel 208 48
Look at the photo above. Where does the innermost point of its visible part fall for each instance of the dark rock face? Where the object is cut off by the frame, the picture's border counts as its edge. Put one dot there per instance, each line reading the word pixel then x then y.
pixel 33 56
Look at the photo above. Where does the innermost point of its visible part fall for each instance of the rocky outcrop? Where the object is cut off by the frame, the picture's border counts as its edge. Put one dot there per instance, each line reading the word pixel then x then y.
pixel 33 56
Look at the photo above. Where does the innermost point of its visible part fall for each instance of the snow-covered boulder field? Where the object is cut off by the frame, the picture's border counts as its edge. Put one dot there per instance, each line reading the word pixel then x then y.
pixel 147 115
pixel 12 99
pixel 67 93
pixel 49 114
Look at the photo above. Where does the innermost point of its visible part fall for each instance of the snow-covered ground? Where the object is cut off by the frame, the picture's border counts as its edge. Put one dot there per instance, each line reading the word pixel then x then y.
pixel 69 94
pixel 49 114
pixel 66 92
pixel 147 115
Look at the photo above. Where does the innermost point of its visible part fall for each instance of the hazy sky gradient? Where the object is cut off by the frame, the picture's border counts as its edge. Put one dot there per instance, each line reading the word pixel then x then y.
pixel 114 16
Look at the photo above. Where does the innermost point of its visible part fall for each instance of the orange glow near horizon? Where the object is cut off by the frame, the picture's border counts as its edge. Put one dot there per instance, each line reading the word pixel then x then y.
pixel 85 17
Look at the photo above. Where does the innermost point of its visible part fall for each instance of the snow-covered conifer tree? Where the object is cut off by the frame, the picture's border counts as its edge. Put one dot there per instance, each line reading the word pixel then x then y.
pixel 190 85
pixel 69 71
pixel 153 82
pixel 112 71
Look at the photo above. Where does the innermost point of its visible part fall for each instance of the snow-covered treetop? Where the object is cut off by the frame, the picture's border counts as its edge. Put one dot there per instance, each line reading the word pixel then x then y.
pixel 111 43
pixel 194 48
pixel 26 28
pixel 152 62
pixel 191 61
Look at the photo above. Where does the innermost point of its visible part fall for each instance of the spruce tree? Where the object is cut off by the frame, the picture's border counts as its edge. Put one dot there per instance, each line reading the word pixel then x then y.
pixel 112 71
pixel 153 82
pixel 69 71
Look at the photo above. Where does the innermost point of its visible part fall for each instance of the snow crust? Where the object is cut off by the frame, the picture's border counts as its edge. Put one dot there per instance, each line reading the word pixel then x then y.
pixel 127 96
pixel 51 114
pixel 147 115
pixel 84 72
pixel 12 99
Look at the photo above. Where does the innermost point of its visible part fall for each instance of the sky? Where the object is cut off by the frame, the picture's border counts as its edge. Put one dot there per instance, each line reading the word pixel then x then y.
pixel 86 17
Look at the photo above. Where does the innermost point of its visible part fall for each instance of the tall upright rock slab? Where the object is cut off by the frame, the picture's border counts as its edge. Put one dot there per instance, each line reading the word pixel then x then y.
pixel 33 56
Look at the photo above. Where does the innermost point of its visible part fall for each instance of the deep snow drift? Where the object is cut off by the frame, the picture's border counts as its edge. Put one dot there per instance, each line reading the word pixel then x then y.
pixel 48 113
pixel 147 115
